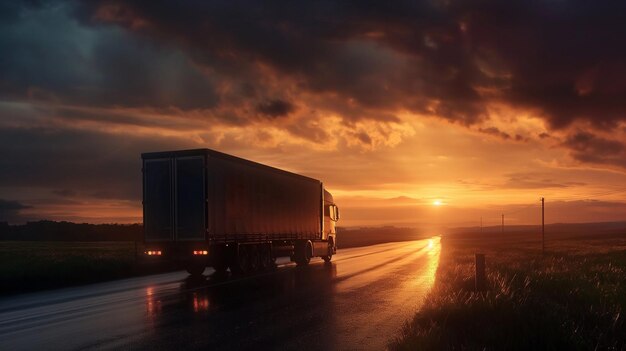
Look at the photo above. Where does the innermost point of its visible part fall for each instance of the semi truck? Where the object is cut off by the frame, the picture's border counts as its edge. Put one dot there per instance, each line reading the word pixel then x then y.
pixel 205 208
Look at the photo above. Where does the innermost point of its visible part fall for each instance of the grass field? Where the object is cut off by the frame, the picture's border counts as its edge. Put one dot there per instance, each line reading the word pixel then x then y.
pixel 571 298
pixel 33 265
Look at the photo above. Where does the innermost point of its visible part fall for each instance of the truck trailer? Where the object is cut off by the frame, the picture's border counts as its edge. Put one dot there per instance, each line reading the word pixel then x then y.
pixel 206 208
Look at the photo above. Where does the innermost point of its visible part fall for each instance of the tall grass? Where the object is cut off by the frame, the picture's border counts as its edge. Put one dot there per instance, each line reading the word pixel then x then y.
pixel 573 298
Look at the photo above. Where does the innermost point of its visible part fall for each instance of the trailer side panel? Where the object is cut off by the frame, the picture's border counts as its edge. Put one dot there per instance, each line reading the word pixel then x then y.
pixel 258 203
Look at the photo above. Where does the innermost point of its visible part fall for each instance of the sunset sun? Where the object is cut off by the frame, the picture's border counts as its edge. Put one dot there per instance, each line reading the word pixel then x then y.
pixel 437 202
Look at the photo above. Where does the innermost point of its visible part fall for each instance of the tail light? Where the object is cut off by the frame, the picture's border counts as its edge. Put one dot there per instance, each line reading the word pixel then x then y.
pixel 200 252
pixel 154 252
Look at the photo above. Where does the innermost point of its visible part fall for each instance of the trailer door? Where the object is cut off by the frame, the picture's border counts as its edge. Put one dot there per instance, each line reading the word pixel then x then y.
pixel 190 198
pixel 157 199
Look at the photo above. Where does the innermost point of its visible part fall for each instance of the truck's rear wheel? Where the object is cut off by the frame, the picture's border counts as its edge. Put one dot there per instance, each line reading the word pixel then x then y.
pixel 195 268
pixel 303 253
pixel 220 266
pixel 220 257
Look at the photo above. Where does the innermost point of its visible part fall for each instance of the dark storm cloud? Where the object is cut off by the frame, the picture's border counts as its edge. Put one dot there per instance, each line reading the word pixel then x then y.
pixel 8 205
pixel 495 132
pixel 10 210
pixel 587 142
pixel 587 147
pixel 364 138
pixel 48 55
pixel 65 193
pixel 328 47
pixel 94 163
pixel 564 59
pixel 113 116
pixel 308 130
pixel 275 108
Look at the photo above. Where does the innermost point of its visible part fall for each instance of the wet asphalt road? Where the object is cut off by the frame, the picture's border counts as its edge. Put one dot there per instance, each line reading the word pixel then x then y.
pixel 358 302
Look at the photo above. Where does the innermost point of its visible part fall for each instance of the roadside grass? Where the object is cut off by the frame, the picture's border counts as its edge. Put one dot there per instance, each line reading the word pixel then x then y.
pixel 35 265
pixel 573 297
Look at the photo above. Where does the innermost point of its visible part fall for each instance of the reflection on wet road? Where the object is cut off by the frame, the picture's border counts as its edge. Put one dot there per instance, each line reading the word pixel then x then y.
pixel 358 301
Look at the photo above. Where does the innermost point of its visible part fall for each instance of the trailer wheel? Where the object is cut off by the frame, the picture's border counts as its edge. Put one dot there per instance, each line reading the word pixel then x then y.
pixel 241 261
pixel 266 257
pixel 195 268
pixel 303 253
pixel 254 257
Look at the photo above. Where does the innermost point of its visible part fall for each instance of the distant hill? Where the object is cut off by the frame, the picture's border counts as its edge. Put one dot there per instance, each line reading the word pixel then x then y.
pixel 353 237
pixel 556 230
pixel 67 231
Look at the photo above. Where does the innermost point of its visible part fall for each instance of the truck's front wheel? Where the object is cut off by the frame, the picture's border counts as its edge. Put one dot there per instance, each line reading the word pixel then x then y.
pixel 329 256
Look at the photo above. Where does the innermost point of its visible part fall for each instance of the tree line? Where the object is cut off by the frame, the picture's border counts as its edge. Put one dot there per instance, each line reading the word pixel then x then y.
pixel 67 231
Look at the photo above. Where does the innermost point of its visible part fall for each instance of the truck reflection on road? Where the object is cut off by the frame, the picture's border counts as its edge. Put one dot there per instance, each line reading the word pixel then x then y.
pixel 214 290
pixel 217 306
pixel 200 302
pixel 153 304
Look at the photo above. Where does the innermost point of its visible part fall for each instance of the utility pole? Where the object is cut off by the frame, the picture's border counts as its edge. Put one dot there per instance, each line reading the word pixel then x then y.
pixel 481 224
pixel 503 223
pixel 543 228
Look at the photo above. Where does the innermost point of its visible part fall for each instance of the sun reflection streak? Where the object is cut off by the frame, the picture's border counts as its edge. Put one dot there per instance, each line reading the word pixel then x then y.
pixel 434 250
pixel 425 280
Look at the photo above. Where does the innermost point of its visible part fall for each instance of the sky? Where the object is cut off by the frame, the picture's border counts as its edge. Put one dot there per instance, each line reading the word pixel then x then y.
pixel 412 113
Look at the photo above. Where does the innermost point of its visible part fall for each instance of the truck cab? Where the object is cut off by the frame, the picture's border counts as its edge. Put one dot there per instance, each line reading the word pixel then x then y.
pixel 331 216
